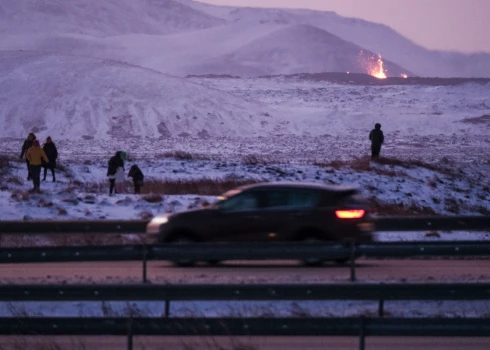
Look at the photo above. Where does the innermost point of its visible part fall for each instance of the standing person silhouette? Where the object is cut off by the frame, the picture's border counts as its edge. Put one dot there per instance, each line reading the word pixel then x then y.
pixel 25 146
pixel 115 162
pixel 52 154
pixel 377 139
pixel 35 155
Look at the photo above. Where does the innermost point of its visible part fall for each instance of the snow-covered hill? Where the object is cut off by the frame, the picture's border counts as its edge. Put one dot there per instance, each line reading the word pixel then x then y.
pixel 73 97
pixel 182 37
pixel 100 17
pixel 294 49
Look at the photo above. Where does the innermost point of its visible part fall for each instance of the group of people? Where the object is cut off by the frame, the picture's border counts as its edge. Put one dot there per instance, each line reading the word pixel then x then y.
pixel 115 173
pixel 37 158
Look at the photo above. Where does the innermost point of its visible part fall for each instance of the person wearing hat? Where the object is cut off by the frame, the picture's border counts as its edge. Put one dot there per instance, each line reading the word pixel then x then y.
pixel 35 155
pixel 377 139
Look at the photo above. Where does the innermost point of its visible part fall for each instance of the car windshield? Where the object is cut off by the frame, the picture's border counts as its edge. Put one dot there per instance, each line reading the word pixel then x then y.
pixel 224 197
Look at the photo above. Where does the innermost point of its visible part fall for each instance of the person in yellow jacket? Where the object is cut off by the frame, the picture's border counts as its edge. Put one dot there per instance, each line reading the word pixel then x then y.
pixel 35 155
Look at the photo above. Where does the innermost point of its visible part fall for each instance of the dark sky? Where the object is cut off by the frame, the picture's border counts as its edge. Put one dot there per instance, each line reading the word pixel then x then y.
pixel 461 25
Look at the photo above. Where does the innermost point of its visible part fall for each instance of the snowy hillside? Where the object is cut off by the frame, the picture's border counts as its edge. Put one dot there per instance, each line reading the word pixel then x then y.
pixel 100 18
pixel 71 97
pixel 182 37
pixel 371 36
pixel 294 49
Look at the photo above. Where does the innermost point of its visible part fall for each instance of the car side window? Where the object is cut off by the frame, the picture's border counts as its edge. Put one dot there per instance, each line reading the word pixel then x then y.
pixel 241 202
pixel 289 199
pixel 303 199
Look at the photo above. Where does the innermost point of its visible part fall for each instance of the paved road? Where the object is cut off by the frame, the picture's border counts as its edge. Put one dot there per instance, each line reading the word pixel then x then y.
pixel 260 272
pixel 262 343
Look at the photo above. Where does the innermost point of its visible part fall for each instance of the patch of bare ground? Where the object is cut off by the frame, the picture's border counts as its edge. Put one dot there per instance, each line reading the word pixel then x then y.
pixel 482 120
pixel 182 155
pixel 72 240
pixel 399 209
pixel 365 164
pixel 203 186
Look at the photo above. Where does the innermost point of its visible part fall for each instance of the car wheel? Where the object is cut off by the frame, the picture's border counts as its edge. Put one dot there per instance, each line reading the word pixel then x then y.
pixel 183 240
pixel 313 261
pixel 342 261
pixel 214 262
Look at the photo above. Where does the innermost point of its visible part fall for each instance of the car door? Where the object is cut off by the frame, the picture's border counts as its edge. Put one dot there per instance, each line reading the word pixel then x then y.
pixel 238 218
pixel 287 210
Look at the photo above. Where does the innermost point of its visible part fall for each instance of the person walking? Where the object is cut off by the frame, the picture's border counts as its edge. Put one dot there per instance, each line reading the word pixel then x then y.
pixel 35 155
pixel 25 146
pixel 377 139
pixel 138 177
pixel 115 162
pixel 52 154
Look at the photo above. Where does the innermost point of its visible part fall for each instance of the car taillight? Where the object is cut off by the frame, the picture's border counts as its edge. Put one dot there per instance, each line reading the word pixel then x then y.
pixel 350 214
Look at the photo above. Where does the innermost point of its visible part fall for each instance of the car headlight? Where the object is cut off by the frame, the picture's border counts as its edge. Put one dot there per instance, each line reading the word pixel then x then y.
pixel 159 220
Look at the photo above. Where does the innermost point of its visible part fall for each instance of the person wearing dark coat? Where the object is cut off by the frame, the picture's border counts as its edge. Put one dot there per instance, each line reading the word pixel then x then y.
pixel 28 144
pixel 52 154
pixel 115 162
pixel 138 177
pixel 377 139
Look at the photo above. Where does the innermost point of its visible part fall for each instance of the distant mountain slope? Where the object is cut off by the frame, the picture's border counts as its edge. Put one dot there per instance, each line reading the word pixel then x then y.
pixel 294 49
pixel 181 37
pixel 101 17
pixel 73 97
pixel 375 37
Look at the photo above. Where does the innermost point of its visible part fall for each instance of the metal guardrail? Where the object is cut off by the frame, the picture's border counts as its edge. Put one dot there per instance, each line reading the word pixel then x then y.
pixel 284 327
pixel 207 292
pixel 244 251
pixel 401 223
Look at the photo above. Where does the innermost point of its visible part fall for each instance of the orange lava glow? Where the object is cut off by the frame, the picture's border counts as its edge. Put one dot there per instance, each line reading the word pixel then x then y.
pixel 378 70
pixel 404 76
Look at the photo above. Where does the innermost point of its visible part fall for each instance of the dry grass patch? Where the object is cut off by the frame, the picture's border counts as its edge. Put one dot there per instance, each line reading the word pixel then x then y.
pixel 400 209
pixel 365 165
pixel 153 188
pixel 181 155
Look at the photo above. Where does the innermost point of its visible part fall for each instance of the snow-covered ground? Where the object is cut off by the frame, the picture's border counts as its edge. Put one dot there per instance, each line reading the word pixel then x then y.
pixel 397 188
pixel 335 308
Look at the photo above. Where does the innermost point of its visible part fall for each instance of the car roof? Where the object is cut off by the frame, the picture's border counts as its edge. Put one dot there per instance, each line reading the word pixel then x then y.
pixel 298 185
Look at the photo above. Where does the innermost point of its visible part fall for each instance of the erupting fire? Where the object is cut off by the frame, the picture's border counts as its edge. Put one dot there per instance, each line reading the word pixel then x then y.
pixel 404 76
pixel 378 70
pixel 372 65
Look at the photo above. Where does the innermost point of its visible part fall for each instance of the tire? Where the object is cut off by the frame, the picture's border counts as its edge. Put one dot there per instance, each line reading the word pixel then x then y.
pixel 183 239
pixel 342 261
pixel 214 262
pixel 312 262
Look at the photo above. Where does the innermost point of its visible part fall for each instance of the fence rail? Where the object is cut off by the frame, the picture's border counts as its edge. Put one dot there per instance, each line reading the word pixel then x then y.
pixel 244 251
pixel 145 292
pixel 285 327
pixel 194 292
pixel 401 223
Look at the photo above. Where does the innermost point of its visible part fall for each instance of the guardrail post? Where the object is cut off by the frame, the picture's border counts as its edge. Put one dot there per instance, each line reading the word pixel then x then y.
pixel 362 334
pixel 381 308
pixel 130 333
pixel 352 262
pixel 145 258
pixel 167 308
